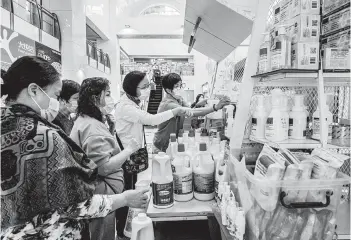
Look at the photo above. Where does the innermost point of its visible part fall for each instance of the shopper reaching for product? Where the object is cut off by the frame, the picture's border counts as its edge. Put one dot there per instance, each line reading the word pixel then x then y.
pixel 173 87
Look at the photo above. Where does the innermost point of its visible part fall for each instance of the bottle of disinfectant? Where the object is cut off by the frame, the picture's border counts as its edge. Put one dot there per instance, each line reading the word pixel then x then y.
pixel 281 50
pixel 182 176
pixel 259 118
pixel 172 146
pixel 162 181
pixel 133 212
pixel 180 136
pixel 316 123
pixel 142 228
pixel 264 62
pixel 203 170
pixel 221 171
pixel 298 119
pixel 277 122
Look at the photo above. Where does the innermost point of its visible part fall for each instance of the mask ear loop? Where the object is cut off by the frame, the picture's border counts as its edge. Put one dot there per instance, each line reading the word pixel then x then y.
pixel 36 101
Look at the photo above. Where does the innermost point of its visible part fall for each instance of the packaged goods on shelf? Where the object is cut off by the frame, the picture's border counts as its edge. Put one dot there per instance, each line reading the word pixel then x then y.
pixel 336 59
pixel 340 131
pixel 337 21
pixel 330 6
pixel 305 55
pixel 283 12
pixel 304 28
pixel 337 40
pixel 280 49
pixel 305 7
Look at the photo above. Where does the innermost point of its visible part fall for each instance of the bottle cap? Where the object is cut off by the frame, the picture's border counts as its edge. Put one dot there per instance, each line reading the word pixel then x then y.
pixel 181 131
pixel 191 133
pixel 203 147
pixel 173 137
pixel 181 147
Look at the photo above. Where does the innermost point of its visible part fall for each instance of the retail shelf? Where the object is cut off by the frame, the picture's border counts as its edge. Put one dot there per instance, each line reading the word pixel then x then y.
pixel 337 77
pixel 339 143
pixel 288 77
pixel 290 143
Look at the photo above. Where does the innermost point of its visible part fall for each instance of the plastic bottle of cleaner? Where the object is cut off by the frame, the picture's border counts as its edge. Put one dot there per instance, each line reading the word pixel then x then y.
pixel 203 175
pixel 186 139
pixel 162 181
pixel 240 224
pixel 230 207
pixel 221 170
pixel 142 228
pixel 180 136
pixel 172 146
pixel 204 138
pixel 225 202
pixel 182 176
pixel 259 118
pixel 316 123
pixel 277 122
pixel 215 149
pixel 133 212
pixel 264 63
pixel 298 119
pixel 281 51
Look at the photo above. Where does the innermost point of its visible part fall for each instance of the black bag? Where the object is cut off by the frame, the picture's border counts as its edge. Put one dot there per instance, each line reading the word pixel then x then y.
pixel 138 161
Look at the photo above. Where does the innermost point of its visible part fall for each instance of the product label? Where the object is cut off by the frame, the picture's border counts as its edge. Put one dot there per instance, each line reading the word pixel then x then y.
pixel 291 125
pixel 204 183
pixel 254 126
pixel 132 213
pixel 269 127
pixel 183 184
pixel 216 187
pixel 163 194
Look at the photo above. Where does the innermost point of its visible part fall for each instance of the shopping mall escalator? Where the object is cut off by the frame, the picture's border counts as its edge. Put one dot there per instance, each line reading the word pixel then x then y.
pixel 156 93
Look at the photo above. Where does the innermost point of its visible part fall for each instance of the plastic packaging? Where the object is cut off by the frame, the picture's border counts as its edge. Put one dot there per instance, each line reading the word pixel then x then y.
pixel 305 55
pixel 316 123
pixel 277 121
pixel 142 228
pixel 281 50
pixel 298 119
pixel 264 63
pixel 203 170
pixel 182 175
pixel 259 119
pixel 172 146
pixel 162 181
pixel 133 212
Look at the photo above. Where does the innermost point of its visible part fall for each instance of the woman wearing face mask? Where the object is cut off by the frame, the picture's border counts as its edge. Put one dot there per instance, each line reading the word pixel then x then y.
pixel 47 181
pixel 68 105
pixel 93 136
pixel 172 84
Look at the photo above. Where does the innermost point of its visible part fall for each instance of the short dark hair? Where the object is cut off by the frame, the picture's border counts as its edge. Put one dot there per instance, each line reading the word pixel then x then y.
pixel 131 82
pixel 197 100
pixel 69 88
pixel 170 79
pixel 90 90
pixel 27 70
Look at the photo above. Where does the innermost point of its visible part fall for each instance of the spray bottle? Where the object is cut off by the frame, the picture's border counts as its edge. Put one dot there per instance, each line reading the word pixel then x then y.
pixel 264 63
pixel 259 118
pixel 172 146
pixel 298 119
pixel 281 51
pixel 277 122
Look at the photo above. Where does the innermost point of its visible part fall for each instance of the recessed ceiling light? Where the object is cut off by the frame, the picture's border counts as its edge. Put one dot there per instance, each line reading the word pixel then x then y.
pixel 127 26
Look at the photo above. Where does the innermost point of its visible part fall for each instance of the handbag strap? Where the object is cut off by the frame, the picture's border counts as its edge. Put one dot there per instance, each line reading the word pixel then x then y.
pixel 144 136
pixel 120 142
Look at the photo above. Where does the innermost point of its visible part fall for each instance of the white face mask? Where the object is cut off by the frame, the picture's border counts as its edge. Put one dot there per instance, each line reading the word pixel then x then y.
pixel 110 105
pixel 51 112
pixel 144 94
pixel 72 107
pixel 178 91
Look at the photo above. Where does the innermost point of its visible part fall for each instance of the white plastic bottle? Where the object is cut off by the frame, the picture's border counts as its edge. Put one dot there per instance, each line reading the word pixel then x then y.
pixel 182 176
pixel 133 212
pixel 316 123
pixel 215 149
pixel 240 224
pixel 298 119
pixel 264 62
pixel 205 138
pixel 180 136
pixel 203 170
pixel 225 201
pixel 142 228
pixel 162 181
pixel 172 146
pixel 220 175
pixel 281 50
pixel 277 121
pixel 186 139
pixel 259 118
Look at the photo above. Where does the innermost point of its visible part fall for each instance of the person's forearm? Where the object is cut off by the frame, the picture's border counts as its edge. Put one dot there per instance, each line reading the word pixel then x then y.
pixel 158 118
pixel 198 112
pixel 115 162
pixel 118 201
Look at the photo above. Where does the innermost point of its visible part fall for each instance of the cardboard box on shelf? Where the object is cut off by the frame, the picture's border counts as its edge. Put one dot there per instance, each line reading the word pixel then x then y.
pixel 336 21
pixel 282 12
pixel 305 55
pixel 330 6
pixel 337 40
pixel 305 7
pixel 336 59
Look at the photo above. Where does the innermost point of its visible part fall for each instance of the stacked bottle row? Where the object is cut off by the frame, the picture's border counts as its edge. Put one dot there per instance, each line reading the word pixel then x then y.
pixel 280 124
pixel 187 169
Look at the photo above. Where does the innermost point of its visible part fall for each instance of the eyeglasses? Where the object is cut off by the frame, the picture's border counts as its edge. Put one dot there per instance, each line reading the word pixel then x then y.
pixel 180 86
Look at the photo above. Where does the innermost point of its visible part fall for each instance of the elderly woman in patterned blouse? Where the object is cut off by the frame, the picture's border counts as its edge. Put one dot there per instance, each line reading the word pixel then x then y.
pixel 47 182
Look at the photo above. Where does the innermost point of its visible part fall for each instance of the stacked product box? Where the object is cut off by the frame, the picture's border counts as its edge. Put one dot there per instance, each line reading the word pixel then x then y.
pixel 301 19
pixel 335 40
